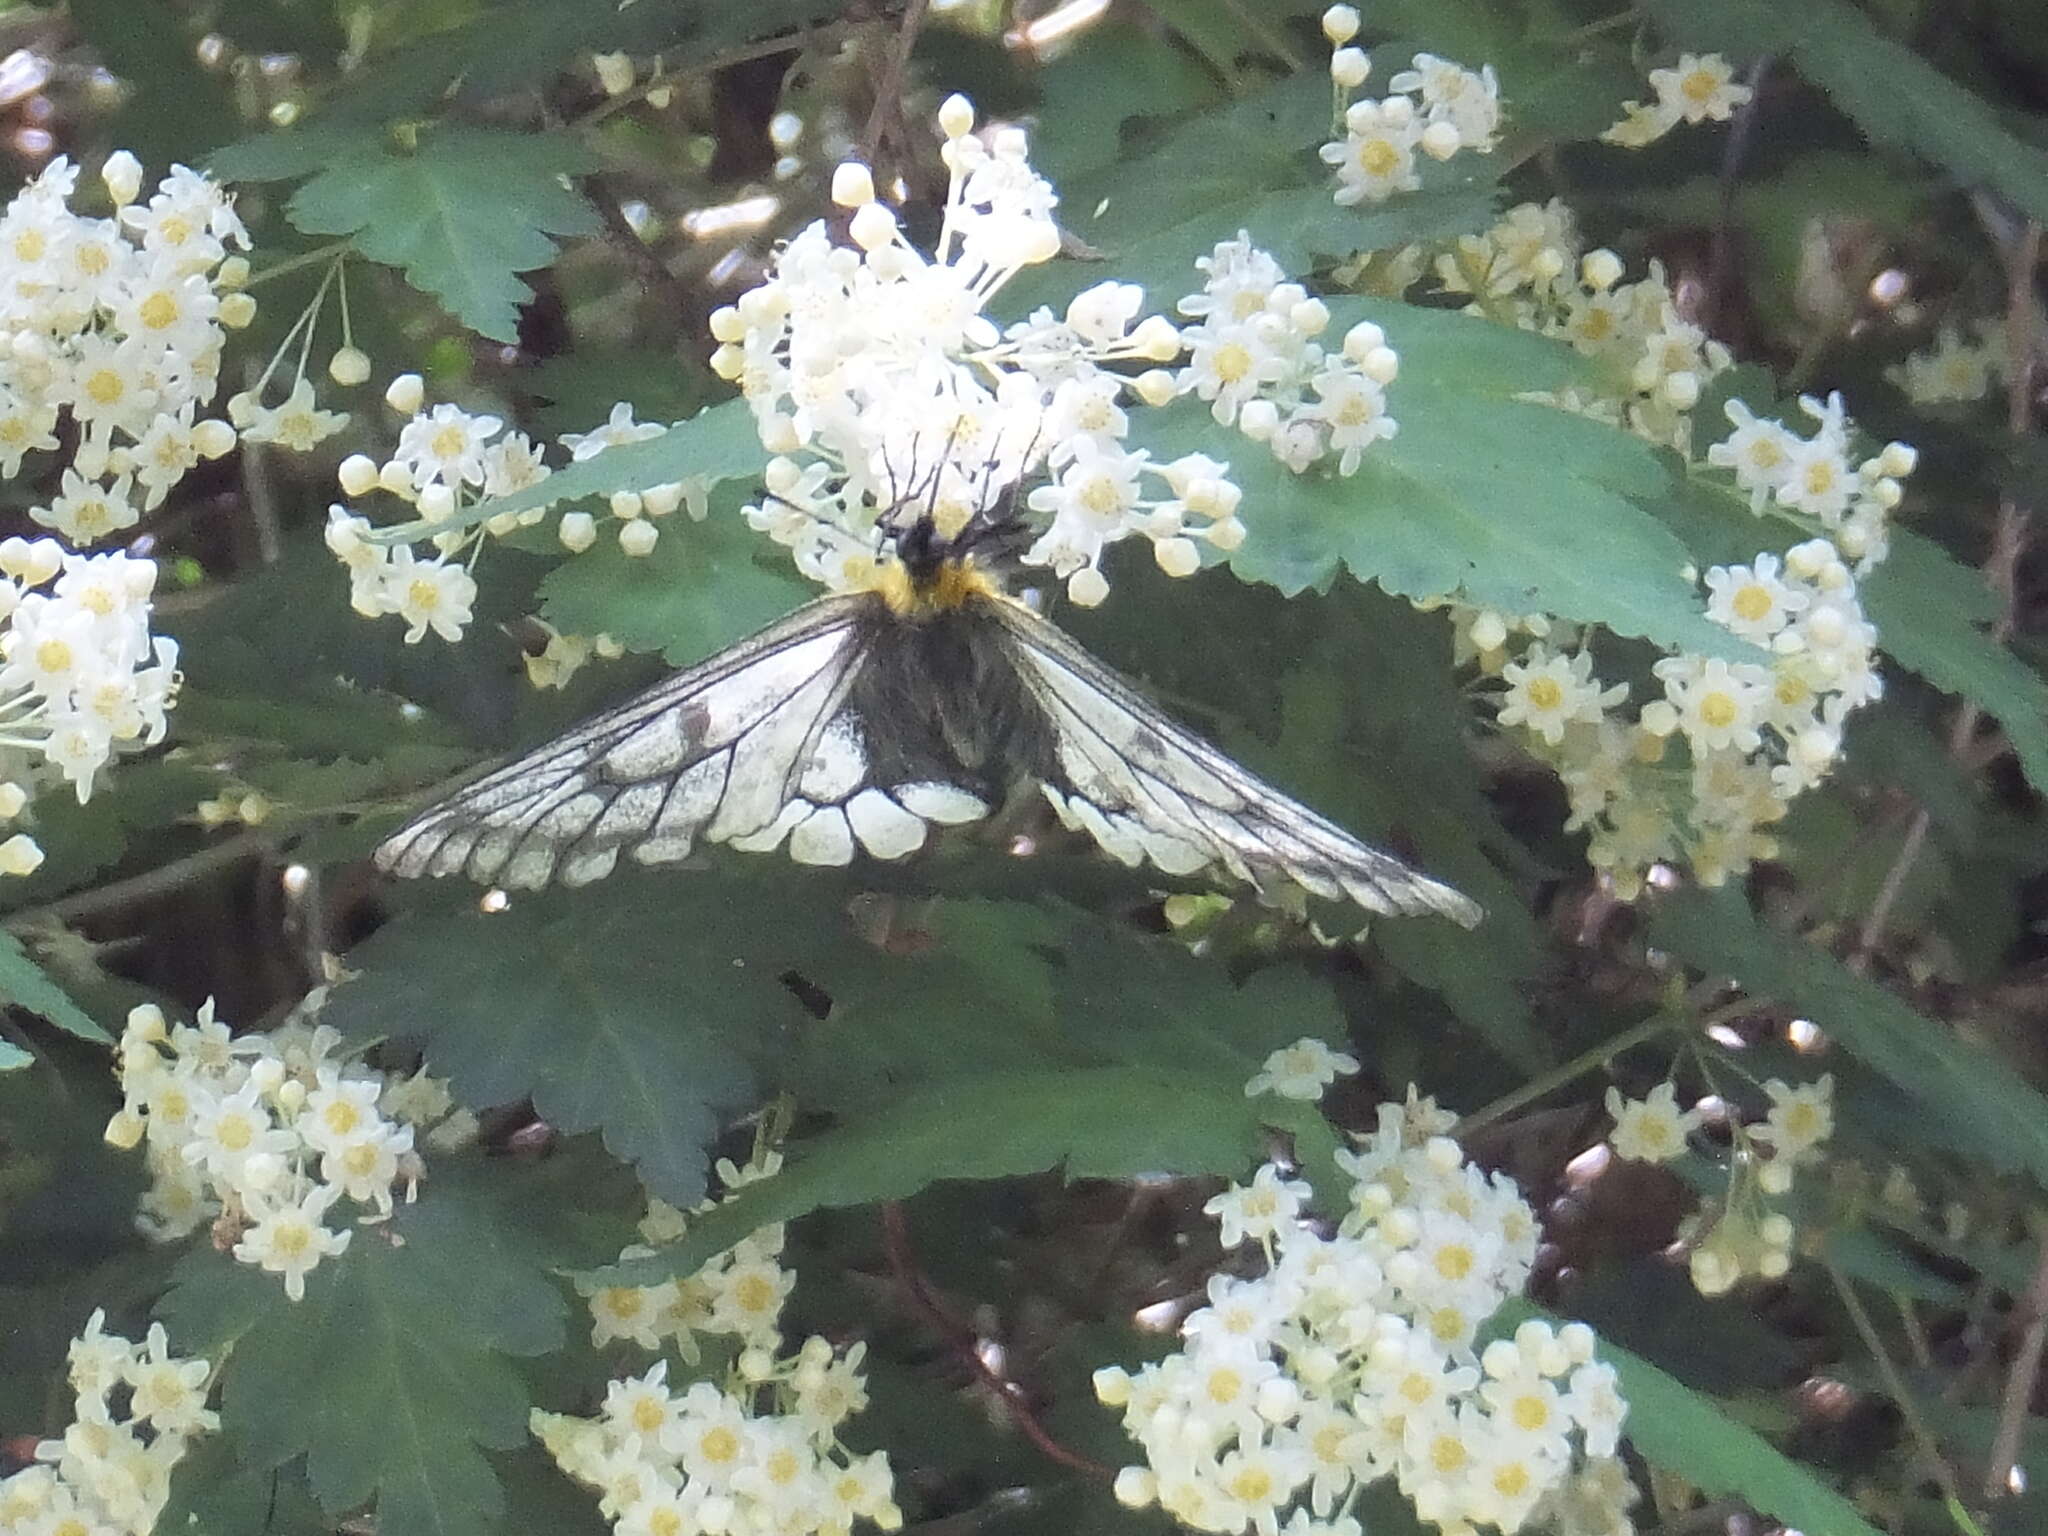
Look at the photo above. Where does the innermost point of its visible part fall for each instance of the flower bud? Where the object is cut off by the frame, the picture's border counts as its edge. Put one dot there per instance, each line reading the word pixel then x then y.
pixel 637 538
pixel 1340 24
pixel 1112 1386
pixel 853 185
pixel 1136 1487
pixel 357 475
pixel 1155 386
pixel 578 531
pixel 406 393
pixel 726 325
pixel 237 310
pixel 12 798
pixel 436 502
pixel 873 226
pixel 1259 420
pixel 956 116
pixel 627 505
pixel 232 274
pixel 122 174
pixel 1156 339
pixel 1088 587
pixel 213 438
pixel 614 72
pixel 660 500
pixel 124 1130
pixel 1601 269
pixel 1349 67
pixel 349 367
pixel 20 855
pixel 1177 556
pixel 1441 140
pixel 1898 459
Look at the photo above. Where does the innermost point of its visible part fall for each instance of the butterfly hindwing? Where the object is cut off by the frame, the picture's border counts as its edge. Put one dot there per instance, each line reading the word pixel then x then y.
pixel 1148 790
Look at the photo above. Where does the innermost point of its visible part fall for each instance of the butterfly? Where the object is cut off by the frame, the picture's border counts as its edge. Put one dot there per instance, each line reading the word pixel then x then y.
pixel 862 721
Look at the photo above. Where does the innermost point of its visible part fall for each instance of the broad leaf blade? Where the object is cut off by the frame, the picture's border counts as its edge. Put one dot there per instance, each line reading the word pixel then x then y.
pixel 463 213
pixel 26 985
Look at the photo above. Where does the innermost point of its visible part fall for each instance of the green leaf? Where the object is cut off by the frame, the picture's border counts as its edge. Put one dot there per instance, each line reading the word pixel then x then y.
pixel 1104 1122
pixel 1251 167
pixel 1514 505
pixel 462 213
pixel 390 1377
pixel 24 984
pixel 1973 1101
pixel 138 804
pixel 1930 611
pixel 616 1008
pixel 1890 92
pixel 704 586
pixel 1088 93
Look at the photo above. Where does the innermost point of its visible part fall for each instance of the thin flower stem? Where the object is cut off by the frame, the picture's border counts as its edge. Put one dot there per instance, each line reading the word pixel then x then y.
pixel 965 1342
pixel 304 259
pixel 154 882
pixel 1660 1023
pixel 1916 1426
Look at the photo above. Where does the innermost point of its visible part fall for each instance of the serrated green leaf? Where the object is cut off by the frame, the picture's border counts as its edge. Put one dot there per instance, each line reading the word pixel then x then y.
pixel 1973 1102
pixel 24 984
pixel 1517 506
pixel 79 841
pixel 1088 93
pixel 1103 1122
pixel 462 213
pixel 704 586
pixel 1930 610
pixel 406 1335
pixel 1252 167
pixel 618 1008
pixel 1891 93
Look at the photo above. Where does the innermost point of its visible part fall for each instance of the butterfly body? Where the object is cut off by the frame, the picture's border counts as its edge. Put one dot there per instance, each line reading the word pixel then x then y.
pixel 859 722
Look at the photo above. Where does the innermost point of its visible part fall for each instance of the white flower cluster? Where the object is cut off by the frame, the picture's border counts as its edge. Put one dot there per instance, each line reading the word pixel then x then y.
pixel 1756 734
pixel 1435 106
pixel 757 1454
pixel 1654 363
pixel 1699 88
pixel 1253 355
pixel 1954 368
pixel 117 324
pixel 264 1133
pixel 80 674
pixel 447 460
pixel 139 1407
pixel 875 379
pixel 738 1295
pixel 1740 1234
pixel 1355 1357
pixel 1815 481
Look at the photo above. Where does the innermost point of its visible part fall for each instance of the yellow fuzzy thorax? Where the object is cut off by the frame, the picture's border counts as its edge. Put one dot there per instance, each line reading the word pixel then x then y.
pixel 952 585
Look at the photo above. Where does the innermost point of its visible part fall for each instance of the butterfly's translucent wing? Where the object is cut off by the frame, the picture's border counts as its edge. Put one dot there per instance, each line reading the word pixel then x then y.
pixel 720 753
pixel 1146 789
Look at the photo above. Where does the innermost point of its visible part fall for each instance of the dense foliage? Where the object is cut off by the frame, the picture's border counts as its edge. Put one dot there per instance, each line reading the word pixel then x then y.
pixel 1587 449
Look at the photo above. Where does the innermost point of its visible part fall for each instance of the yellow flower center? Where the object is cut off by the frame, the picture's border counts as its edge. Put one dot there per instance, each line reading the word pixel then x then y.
pixel 54 656
pixel 1530 1412
pixel 719 1444
pixel 449 442
pixel 754 1293
pixel 1378 158
pixel 1719 710
pixel 1545 693
pixel 158 311
pixel 105 386
pixel 292 1238
pixel 341 1117
pixel 1233 361
pixel 647 1416
pixel 29 245
pixel 1752 604
pixel 622 1301
pixel 1225 1385
pixel 423 594
pixel 235 1133
pixel 1454 1261
pixel 1447 1454
pixel 1700 85
pixel 1252 1485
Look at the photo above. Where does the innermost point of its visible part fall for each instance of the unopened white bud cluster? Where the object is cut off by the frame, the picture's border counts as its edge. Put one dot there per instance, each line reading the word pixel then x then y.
pixel 1254 356
pixel 118 324
pixel 876 379
pixel 264 1133
pixel 757 1454
pixel 138 1408
pixel 81 676
pixel 446 461
pixel 1355 1358
pixel 1434 106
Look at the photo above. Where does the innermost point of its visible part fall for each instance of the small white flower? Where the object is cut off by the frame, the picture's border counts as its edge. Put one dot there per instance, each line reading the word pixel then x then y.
pixel 1301 1070
pixel 1700 88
